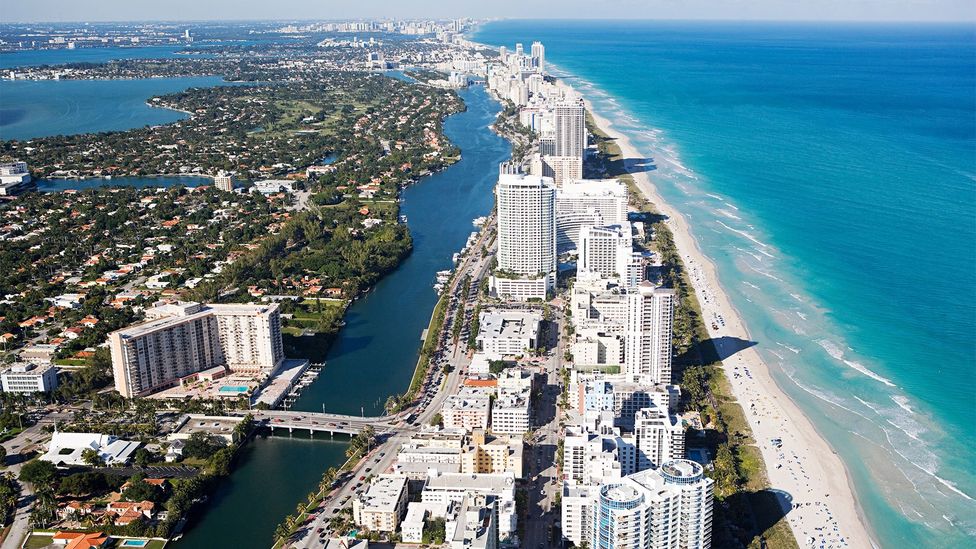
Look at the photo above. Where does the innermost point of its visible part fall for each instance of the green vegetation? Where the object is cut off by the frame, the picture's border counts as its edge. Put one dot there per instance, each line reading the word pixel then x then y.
pixel 435 531
pixel 361 443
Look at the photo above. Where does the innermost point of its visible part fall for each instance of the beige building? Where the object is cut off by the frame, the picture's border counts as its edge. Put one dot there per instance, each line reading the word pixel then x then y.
pixel 492 454
pixel 382 506
pixel 180 339
pixel 466 411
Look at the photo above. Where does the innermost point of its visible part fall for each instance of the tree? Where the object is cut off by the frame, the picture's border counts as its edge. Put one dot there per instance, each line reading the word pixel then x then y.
pixel 437 419
pixel 92 458
pixel 140 490
pixel 201 445
pixel 3 456
pixel 435 531
pixel 143 457
pixel 39 473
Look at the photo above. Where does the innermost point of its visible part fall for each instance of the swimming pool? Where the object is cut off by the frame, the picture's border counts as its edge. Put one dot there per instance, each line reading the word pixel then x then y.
pixel 233 389
pixel 135 543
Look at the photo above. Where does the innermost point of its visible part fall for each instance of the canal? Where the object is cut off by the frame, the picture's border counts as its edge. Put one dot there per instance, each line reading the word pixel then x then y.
pixel 376 351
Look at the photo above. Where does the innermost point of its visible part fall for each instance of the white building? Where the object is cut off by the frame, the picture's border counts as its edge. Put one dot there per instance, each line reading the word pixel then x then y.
pixel 583 202
pixel 418 513
pixel 609 251
pixel 184 338
pixel 506 333
pixel 511 413
pixel 670 507
pixel 539 56
pixel 660 438
pixel 224 181
pixel 650 318
pixel 66 449
pixel 382 505
pixel 559 168
pixel 450 487
pixel 476 525
pixel 14 177
pixel 27 377
pixel 570 119
pixel 526 237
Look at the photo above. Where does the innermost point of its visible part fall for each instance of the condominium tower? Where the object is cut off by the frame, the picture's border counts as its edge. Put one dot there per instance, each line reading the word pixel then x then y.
pixel 581 202
pixel 526 236
pixel 666 508
pixel 650 319
pixel 180 339
pixel 570 122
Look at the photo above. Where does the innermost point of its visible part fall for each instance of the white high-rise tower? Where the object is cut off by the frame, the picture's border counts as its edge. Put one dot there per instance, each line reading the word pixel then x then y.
pixel 570 124
pixel 539 56
pixel 526 236
pixel 650 318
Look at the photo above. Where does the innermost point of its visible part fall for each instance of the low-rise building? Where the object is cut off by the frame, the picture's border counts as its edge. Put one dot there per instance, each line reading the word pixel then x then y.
pixel 502 333
pixel 511 413
pixel 456 487
pixel 382 505
pixel 25 377
pixel 66 449
pixel 476 525
pixel 491 454
pixel 466 411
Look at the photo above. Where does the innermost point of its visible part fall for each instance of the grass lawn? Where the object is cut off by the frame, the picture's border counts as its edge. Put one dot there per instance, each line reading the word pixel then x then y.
pixel 36 541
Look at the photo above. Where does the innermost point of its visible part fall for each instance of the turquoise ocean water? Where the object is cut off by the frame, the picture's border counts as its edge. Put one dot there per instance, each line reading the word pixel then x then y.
pixel 830 173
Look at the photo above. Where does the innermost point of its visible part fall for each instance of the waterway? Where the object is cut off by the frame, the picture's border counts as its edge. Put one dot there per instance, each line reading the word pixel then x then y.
pixel 375 354
pixel 43 108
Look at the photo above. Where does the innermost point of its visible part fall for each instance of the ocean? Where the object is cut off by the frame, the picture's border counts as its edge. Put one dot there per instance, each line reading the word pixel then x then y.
pixel 829 171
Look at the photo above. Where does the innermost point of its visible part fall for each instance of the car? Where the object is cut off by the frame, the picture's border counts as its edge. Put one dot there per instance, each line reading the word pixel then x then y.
pixel 320 530
pixel 363 477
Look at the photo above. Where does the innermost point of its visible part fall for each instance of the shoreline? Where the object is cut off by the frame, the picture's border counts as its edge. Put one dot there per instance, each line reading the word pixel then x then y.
pixel 808 474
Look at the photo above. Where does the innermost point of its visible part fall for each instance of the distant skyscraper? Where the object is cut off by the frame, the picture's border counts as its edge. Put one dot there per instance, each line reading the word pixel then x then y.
pixel 526 236
pixel 570 122
pixel 539 56
pixel 650 318
pixel 519 50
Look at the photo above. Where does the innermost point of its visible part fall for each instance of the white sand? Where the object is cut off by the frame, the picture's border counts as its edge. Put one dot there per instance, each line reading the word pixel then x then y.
pixel 825 513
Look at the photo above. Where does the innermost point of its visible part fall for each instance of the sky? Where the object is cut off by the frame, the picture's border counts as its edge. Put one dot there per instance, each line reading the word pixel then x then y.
pixel 194 10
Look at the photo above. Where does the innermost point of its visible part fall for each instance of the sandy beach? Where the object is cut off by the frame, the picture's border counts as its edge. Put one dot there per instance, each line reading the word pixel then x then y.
pixel 825 513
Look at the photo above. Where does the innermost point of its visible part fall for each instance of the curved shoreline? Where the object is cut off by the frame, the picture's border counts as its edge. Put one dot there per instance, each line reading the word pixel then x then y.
pixel 820 493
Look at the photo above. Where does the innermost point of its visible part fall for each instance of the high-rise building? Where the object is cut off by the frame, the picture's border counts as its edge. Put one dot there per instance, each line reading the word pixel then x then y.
pixel 606 249
pixel 669 507
pixel 526 237
pixel 650 317
pixel 538 56
pixel 184 338
pixel 581 202
pixel 570 123
pixel 224 181
pixel 660 438
pixel 561 168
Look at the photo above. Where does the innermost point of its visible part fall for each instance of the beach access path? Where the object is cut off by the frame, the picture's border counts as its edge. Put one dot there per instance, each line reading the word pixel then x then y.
pixel 822 510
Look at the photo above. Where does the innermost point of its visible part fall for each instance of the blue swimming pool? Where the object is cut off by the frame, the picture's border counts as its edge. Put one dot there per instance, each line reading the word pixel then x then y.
pixel 233 389
pixel 135 543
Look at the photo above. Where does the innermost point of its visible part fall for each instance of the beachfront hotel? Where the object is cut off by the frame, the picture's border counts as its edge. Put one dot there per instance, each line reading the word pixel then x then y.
pixel 180 339
pixel 608 250
pixel 582 202
pixel 526 237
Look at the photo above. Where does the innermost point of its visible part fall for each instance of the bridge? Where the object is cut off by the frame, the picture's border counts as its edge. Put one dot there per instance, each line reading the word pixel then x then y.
pixel 317 422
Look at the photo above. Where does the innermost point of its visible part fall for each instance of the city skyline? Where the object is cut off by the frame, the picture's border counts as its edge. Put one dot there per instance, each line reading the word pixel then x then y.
pixel 43 11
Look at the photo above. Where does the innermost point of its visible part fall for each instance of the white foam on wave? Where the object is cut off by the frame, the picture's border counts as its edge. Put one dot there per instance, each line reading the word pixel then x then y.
pixel 764 273
pixel 751 285
pixel 801 315
pixel 793 350
pixel 902 403
pixel 755 256
pixel 837 354
pixel 728 214
pixel 763 245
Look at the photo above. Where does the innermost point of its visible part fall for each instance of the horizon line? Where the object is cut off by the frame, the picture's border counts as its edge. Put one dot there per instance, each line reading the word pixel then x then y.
pixel 492 19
